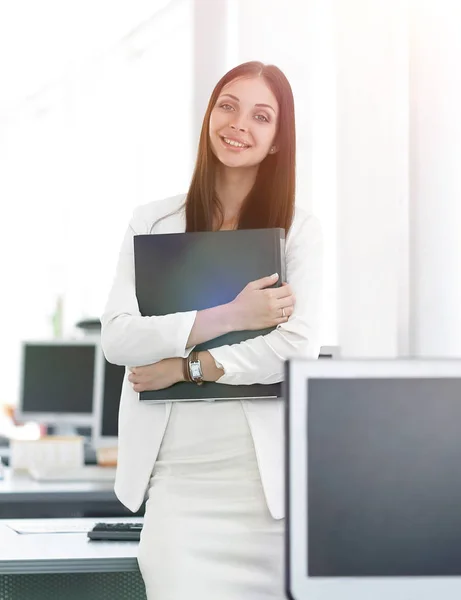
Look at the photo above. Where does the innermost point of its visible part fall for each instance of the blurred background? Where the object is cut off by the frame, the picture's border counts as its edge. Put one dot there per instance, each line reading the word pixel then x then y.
pixel 100 107
pixel 100 111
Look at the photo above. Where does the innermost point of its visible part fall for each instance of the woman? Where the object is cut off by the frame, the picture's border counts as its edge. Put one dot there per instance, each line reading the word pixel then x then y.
pixel 213 471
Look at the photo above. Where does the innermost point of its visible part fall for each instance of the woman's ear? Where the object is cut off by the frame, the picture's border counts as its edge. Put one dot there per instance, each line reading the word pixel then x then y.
pixel 273 149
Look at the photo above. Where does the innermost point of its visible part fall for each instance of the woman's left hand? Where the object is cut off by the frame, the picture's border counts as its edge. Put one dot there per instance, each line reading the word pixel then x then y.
pixel 157 376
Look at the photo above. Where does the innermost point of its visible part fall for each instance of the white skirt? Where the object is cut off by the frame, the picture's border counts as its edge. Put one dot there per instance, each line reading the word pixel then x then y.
pixel 208 533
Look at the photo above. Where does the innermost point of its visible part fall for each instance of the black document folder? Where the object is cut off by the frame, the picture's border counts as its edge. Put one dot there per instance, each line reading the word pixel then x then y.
pixel 179 272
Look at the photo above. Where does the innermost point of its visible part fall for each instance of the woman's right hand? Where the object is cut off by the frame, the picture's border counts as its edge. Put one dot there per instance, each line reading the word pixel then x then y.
pixel 259 306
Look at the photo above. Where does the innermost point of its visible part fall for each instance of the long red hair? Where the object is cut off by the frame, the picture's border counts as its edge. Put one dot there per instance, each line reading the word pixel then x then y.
pixel 270 203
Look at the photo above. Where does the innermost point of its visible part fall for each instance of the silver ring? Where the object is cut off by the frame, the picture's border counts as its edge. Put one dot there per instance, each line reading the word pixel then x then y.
pixel 283 313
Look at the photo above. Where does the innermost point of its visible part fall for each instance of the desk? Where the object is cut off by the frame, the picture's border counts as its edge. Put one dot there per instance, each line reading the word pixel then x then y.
pixel 22 497
pixel 67 565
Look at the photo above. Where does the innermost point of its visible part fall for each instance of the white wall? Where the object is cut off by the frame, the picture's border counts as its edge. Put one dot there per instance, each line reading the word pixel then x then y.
pixel 210 55
pixel 435 149
pixel 372 176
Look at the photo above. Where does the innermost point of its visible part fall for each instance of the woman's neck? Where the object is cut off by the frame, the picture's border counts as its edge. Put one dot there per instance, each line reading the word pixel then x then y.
pixel 232 187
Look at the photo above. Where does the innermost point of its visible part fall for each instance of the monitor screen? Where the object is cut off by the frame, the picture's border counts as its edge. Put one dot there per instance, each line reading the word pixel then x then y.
pixel 112 388
pixel 57 378
pixel 384 477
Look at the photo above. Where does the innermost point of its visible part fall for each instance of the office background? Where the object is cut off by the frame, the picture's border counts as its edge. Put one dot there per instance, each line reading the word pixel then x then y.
pixel 100 107
pixel 100 111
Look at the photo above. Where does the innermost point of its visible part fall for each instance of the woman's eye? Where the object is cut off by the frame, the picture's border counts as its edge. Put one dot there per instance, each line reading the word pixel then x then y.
pixel 262 118
pixel 226 106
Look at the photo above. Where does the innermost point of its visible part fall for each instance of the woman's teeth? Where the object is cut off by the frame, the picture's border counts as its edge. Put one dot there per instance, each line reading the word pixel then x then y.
pixel 235 144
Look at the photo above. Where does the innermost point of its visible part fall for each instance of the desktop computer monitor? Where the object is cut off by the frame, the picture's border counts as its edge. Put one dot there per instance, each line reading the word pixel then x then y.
pixel 58 382
pixel 105 431
pixel 373 452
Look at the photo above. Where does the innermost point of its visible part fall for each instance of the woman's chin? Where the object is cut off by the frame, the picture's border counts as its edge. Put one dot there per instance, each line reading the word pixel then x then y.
pixel 234 161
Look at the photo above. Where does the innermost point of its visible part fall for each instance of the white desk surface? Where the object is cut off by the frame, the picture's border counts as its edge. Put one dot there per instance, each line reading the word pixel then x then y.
pixel 64 552
pixel 22 483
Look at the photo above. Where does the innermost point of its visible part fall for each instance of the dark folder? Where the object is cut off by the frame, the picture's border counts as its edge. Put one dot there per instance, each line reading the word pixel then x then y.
pixel 179 272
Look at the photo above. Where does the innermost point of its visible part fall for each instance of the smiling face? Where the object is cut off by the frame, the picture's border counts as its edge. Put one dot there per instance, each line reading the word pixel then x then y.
pixel 243 123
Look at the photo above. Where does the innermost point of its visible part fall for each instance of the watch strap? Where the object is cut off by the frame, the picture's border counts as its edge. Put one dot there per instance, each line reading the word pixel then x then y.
pixel 185 370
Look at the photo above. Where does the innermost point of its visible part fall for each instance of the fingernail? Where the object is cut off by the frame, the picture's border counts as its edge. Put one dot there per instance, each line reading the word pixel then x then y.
pixel 275 275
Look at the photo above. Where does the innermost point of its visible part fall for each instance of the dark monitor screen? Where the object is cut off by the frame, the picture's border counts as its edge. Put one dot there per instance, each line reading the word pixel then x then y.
pixel 113 379
pixel 58 378
pixel 384 477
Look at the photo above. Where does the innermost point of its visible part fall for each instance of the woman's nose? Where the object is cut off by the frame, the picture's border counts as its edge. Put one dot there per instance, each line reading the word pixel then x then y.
pixel 238 127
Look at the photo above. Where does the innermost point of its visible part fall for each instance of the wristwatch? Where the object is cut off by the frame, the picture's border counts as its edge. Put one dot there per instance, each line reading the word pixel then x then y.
pixel 195 368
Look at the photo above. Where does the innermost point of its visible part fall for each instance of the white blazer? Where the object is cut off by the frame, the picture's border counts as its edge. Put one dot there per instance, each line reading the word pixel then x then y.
pixel 132 340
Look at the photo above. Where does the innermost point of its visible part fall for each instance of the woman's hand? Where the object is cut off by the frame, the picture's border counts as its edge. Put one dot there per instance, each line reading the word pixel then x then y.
pixel 258 306
pixel 157 376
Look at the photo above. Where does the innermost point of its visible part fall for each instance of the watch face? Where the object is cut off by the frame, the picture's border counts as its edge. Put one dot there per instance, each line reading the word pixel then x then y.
pixel 195 369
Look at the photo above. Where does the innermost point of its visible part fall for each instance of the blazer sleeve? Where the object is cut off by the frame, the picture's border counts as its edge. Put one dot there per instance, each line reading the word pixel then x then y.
pixel 261 359
pixel 128 338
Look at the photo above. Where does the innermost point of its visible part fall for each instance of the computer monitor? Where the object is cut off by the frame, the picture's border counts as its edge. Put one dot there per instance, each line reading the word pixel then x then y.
pixel 105 432
pixel 58 382
pixel 373 452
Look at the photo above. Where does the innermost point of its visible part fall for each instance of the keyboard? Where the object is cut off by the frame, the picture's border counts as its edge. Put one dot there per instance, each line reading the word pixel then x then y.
pixel 128 532
pixel 85 473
